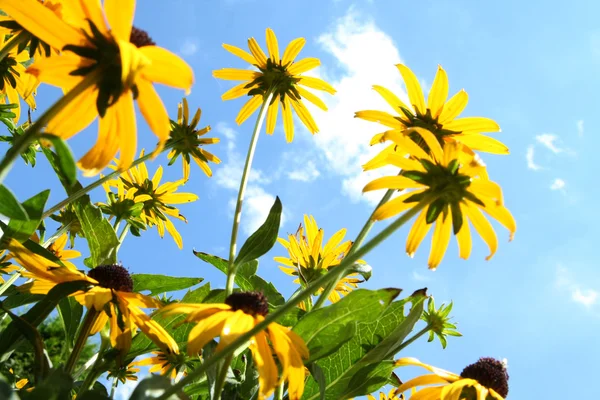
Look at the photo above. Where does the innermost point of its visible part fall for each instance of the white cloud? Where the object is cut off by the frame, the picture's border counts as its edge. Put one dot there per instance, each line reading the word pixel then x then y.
pixel 586 297
pixel 580 128
pixel 549 140
pixel 306 173
pixel 123 391
pixel 189 47
pixel 257 201
pixel 420 277
pixel 366 56
pixel 558 184
pixel 530 163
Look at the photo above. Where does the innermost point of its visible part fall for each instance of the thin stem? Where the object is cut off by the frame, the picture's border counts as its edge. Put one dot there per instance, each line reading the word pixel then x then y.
pixel 240 199
pixel 180 374
pixel 13 42
pixel 82 337
pixel 327 291
pixel 414 337
pixel 220 382
pixel 34 130
pixel 323 280
pixel 369 224
pixel 278 392
pixel 85 366
pixel 83 191
pixel 97 368
pixel 114 387
pixel 122 235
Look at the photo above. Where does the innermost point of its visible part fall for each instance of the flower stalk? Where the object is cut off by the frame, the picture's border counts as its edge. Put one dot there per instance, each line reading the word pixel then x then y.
pixel 322 281
pixel 31 134
pixel 220 383
pixel 231 270
pixel 84 332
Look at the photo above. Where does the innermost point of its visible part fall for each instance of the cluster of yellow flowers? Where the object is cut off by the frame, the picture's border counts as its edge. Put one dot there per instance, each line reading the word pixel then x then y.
pixel 104 64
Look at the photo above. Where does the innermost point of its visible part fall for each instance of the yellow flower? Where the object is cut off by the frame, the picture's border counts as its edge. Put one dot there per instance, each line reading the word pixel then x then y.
pixel 309 259
pixel 126 373
pixel 36 46
pixel 101 44
pixel 451 179
pixel 281 76
pixel 390 396
pixel 188 141
pixel 58 249
pixel 14 82
pixel 485 379
pixel 111 297
pixel 241 312
pixel 157 199
pixel 165 363
pixel 437 115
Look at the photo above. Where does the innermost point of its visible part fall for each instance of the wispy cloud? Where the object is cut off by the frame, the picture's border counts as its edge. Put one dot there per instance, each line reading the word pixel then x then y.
pixel 558 184
pixel 549 140
pixel 580 128
pixel 585 296
pixel 189 47
pixel 417 276
pixel 305 173
pixel 529 156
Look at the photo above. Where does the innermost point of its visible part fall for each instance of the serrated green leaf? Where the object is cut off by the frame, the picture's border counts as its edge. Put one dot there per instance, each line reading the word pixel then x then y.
pixel 22 229
pixel 157 284
pixel 325 330
pixel 63 158
pixel 263 240
pixel 10 206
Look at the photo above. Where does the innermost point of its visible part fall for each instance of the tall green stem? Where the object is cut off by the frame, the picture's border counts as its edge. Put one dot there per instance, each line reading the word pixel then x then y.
pixel 82 337
pixel 414 337
pixel 13 42
pixel 346 263
pixel 369 224
pixel 231 270
pixel 83 191
pixel 220 383
pixel 34 130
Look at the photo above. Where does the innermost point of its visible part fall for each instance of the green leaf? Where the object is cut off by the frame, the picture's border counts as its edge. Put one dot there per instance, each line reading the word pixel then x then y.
pixel 40 364
pixel 63 158
pixel 347 363
pixel 369 379
pixel 157 284
pixel 261 241
pixel 70 312
pixel 17 299
pixel 57 386
pixel 317 373
pixel 22 229
pixel 11 336
pixel 149 387
pixel 10 206
pixel 326 329
pixel 38 249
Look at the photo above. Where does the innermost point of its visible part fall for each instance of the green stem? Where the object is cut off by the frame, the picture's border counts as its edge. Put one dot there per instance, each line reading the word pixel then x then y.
pixel 231 270
pixel 97 369
pixel 369 224
pixel 82 337
pixel 278 392
pixel 114 388
pixel 123 235
pixel 414 337
pixel 13 42
pixel 83 191
pixel 345 265
pixel 34 130
pixel 328 289
pixel 220 382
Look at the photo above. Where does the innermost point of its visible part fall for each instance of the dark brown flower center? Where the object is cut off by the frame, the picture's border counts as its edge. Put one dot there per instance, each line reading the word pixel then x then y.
pixel 253 303
pixel 140 38
pixel 490 373
pixel 112 277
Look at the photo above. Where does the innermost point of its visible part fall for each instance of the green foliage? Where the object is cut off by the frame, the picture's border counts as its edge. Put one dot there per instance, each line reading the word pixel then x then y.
pixel 439 322
pixel 63 159
pixel 10 206
pixel 157 284
pixel 29 155
pixel 22 229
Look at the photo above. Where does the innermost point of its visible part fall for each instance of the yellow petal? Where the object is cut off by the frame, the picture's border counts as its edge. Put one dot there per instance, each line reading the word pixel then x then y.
pixel 235 325
pixel 204 331
pixel 379 117
pixel 272 117
pixel 316 83
pixel 463 237
pixel 248 109
pixel 267 369
pixel 392 182
pixel 157 177
pixel 502 215
pixel 42 22
pixel 312 98
pixel 92 9
pixel 127 126
pixel 106 145
pixel 292 50
pixel 438 93
pixel 334 241
pixel 486 188
pixel 394 206
pixel 482 143
pixel 179 198
pixel 440 240
pixel 306 64
pixel 97 297
pixel 153 110
pixel 236 91
pixel 244 55
pixel 119 14
pixel 288 121
pixel 483 227
pixel 391 99
pixel 257 52
pixel 405 144
pixel 415 93
pixel 132 62
pixel 417 233
pixel 434 146
pixel 272 45
pixel 289 357
pixel 402 162
pixel 305 116
pixel 154 331
pixel 470 125
pixel 174 233
pixel 422 380
pixel 167 68
pixel 84 106
pixel 454 107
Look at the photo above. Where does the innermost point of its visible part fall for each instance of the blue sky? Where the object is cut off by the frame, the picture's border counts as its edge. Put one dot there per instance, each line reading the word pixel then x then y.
pixel 530 66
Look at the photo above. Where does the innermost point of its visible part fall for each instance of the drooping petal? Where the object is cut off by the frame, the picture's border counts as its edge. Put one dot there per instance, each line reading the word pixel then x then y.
pixel 204 331
pixel 502 215
pixel 440 240
pixel 413 87
pixel 454 107
pixel 292 50
pixel 132 62
pixel 84 106
pixel 153 110
pixel 438 93
pixel 244 55
pixel 236 324
pixel 174 233
pixel 272 45
pixel 394 206
pixel 288 121
pixel 106 145
pixel 154 331
pixel 267 369
pixel 119 14
pixel 272 112
pixel 290 359
pixel 248 109
pixel 236 91
pixel 316 83
pixel 486 188
pixel 417 233
pixel 312 98
pixel 305 116
pixel 167 68
pixel 483 227
pixel 429 379
pixel 127 126
pixel 463 237
pixel 482 143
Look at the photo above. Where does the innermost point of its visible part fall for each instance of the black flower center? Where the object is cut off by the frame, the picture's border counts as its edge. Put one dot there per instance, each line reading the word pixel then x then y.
pixel 113 276
pixel 252 303
pixel 140 38
pixel 490 373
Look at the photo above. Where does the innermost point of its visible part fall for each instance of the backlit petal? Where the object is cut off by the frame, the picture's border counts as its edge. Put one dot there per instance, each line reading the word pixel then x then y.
pixel 272 45
pixel 128 129
pixel 119 14
pixel 236 91
pixel 292 50
pixel 482 143
pixel 248 109
pixel 305 116
pixel 263 359
pixel 391 99
pixel 438 93
pixel 306 64
pixel 463 237
pixel 394 206
pixel 272 117
pixel 84 106
pixel 483 227
pixel 167 68
pixel 454 107
pixel 153 110
pixel 257 52
pixel 473 125
pixel 312 98
pixel 204 331
pixel 440 240
pixel 415 93
pixel 288 121
pixel 244 55
pixel 392 182
pixel 379 117
pixel 316 83
pixel 417 233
